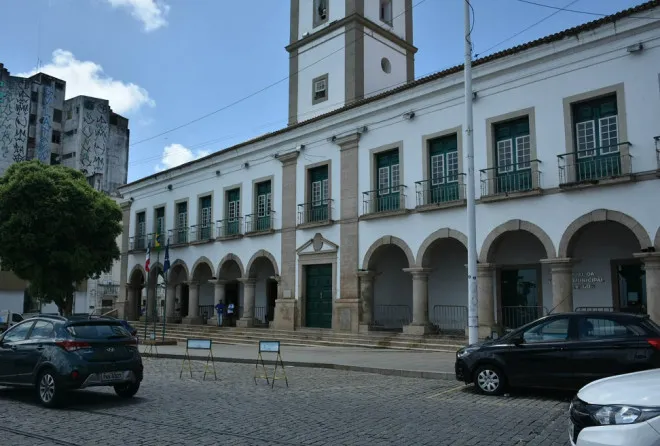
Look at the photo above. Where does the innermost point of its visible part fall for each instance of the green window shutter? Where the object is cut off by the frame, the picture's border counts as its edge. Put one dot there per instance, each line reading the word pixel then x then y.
pixel 512 145
pixel 263 188
pixel 443 159
pixel 233 195
pixel 205 202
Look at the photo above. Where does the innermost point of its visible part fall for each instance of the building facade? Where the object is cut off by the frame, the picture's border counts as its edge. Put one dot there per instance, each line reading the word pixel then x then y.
pixel 353 217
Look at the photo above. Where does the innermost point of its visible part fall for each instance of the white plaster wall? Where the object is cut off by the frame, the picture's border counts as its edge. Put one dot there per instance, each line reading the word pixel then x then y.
pixel 398 27
pixel 375 79
pixel 12 301
pixel 336 11
pixel 323 56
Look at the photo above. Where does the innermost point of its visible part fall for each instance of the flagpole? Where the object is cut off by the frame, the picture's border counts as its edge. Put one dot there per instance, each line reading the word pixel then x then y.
pixel 146 307
pixel 166 273
pixel 155 290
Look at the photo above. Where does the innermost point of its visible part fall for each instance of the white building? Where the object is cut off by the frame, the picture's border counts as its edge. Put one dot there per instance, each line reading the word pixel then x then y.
pixel 353 217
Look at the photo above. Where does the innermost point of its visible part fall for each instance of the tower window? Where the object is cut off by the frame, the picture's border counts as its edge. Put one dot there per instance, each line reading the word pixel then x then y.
pixel 386 65
pixel 320 12
pixel 320 89
pixel 386 11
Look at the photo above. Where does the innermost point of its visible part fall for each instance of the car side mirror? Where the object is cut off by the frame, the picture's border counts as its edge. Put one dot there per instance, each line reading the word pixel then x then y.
pixel 518 340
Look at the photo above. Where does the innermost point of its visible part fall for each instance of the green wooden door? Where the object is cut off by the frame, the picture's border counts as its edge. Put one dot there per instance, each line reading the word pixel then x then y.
pixel 443 157
pixel 388 194
pixel 318 296
pixel 319 194
pixel 262 221
pixel 596 139
pixel 513 154
pixel 233 219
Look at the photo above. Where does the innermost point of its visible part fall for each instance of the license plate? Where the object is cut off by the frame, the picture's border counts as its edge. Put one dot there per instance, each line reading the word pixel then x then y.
pixel 112 376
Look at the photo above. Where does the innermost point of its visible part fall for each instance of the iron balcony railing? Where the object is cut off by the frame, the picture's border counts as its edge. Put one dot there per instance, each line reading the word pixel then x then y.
pixel 391 317
pixel 450 318
pixel 517 316
pixel 657 151
pixel 257 223
pixel 179 236
pixel 384 200
pixel 140 241
pixel 511 178
pixel 315 212
pixel 440 190
pixel 109 289
pixel 590 165
pixel 229 227
pixel 201 233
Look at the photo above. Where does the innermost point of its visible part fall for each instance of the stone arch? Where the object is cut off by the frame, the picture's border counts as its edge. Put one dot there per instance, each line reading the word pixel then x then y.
pixel 156 268
pixel 202 260
pixel 232 257
pixel 443 233
pixel 258 254
pixel 137 269
pixel 487 248
pixel 388 240
pixel 657 240
pixel 600 215
pixel 180 263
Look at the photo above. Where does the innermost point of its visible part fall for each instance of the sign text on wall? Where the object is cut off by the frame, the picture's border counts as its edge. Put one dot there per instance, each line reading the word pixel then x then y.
pixel 586 280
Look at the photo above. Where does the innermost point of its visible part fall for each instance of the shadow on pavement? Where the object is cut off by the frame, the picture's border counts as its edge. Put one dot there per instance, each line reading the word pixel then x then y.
pixel 75 400
pixel 537 394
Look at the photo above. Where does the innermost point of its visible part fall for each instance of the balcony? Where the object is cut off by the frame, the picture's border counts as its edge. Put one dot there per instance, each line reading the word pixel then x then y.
pixel 441 192
pixel 201 233
pixel 593 166
pixel 315 214
pixel 382 202
pixel 138 242
pixel 109 289
pixel 178 236
pixel 512 180
pixel 657 153
pixel 255 224
pixel 229 228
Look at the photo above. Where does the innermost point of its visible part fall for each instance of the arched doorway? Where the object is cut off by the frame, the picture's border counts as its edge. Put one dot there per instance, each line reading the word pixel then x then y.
pixel 260 290
pixel 444 254
pixel 392 299
pixel 200 293
pixel 229 273
pixel 606 275
pixel 136 283
pixel 176 298
pixel 154 294
pixel 523 288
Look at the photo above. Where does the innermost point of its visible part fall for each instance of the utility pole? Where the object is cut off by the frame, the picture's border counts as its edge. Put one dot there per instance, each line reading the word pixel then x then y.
pixel 473 307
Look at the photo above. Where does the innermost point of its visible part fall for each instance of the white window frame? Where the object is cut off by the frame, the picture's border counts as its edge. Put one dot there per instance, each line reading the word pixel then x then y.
pixel 504 146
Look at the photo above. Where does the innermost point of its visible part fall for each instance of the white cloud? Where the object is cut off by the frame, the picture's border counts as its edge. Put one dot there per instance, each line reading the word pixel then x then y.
pixel 176 154
pixel 150 12
pixel 87 78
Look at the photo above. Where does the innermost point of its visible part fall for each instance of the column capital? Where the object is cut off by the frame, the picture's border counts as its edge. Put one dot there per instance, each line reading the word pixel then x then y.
pixel 418 272
pixel 192 282
pixel 366 273
pixel 288 158
pixel 125 205
pixel 558 261
pixel 485 268
pixel 651 259
pixel 348 142
pixel 277 279
pixel 248 280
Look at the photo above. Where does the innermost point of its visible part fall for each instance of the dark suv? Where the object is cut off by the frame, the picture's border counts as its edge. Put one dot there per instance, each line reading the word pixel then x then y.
pixel 56 354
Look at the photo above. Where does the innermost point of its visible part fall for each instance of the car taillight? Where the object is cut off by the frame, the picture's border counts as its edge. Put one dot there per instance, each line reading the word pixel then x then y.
pixel 72 346
pixel 655 343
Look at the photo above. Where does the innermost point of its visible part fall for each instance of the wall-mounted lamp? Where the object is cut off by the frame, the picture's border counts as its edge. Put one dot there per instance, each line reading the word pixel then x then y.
pixel 474 95
pixel 169 187
pixel 246 165
pixel 217 173
pixel 409 115
pixel 635 48
pixel 132 199
pixel 300 148
pixel 363 129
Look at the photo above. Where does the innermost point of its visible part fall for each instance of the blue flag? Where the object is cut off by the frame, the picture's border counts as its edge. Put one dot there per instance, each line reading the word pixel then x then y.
pixel 166 263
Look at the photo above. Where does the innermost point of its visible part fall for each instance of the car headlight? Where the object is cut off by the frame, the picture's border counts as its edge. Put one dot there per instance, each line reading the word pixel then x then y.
pixel 465 351
pixel 621 414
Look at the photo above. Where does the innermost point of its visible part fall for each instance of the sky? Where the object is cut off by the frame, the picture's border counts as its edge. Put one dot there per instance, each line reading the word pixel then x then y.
pixel 164 63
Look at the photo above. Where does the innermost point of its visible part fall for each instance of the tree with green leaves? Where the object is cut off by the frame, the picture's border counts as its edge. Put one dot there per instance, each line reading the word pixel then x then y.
pixel 56 231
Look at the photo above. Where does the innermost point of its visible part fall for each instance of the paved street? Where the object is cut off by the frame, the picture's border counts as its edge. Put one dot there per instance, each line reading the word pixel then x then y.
pixel 321 407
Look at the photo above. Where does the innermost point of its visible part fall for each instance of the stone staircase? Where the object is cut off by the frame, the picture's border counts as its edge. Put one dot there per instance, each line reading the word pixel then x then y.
pixel 306 337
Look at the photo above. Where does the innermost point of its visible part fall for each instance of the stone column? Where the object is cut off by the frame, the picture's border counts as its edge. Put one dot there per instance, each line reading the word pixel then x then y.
pixel 193 317
pixel 346 314
pixel 561 271
pixel 366 299
pixel 123 306
pixel 652 266
pixel 219 297
pixel 170 293
pixel 420 323
pixel 247 319
pixel 133 295
pixel 486 298
pixel 152 302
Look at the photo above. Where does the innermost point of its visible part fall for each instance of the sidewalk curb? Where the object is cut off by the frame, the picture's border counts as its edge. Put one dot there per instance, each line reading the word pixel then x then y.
pixel 320 365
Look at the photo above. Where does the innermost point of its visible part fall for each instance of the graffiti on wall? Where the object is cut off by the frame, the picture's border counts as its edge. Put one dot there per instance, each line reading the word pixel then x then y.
pixel 14 119
pixel 45 133
pixel 94 138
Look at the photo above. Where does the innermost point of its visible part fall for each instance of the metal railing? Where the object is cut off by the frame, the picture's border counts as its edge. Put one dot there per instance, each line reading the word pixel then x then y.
pixel 593 165
pixel 201 233
pixel 512 178
pixel 109 289
pixel 517 316
pixel 450 318
pixel 255 223
pixel 315 212
pixel 391 317
pixel 138 242
pixel 440 190
pixel 178 236
pixel 229 227
pixel 206 311
pixel 384 200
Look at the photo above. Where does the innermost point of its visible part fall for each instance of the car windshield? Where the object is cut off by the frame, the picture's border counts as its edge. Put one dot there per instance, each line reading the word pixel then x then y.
pixel 92 330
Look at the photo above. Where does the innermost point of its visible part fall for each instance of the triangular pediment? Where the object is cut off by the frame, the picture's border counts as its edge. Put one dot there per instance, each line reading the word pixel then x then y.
pixel 317 245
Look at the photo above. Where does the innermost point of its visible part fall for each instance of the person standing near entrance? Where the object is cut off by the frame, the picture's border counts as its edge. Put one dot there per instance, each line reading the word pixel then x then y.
pixel 220 308
pixel 230 312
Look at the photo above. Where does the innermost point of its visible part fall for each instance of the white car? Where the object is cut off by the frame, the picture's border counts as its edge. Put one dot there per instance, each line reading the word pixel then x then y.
pixel 622 410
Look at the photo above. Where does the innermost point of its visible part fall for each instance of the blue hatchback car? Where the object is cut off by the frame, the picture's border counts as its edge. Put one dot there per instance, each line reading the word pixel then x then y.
pixel 55 354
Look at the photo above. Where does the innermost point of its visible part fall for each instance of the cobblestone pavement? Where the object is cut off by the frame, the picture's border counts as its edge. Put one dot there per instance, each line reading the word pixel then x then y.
pixel 320 407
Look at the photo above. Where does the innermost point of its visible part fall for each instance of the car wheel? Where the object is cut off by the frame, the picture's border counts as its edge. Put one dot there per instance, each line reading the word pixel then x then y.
pixel 48 389
pixel 489 380
pixel 127 390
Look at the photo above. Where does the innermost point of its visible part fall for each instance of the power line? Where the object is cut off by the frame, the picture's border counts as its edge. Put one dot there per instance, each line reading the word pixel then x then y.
pixel 598 14
pixel 238 101
pixel 383 123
